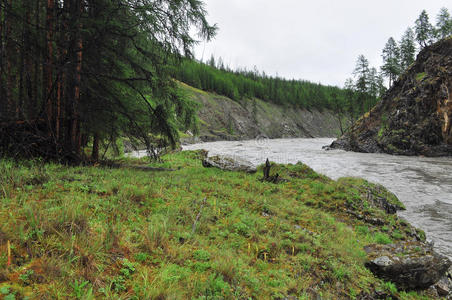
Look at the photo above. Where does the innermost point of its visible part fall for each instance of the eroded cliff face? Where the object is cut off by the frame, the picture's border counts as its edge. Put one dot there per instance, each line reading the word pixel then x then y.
pixel 415 115
pixel 221 118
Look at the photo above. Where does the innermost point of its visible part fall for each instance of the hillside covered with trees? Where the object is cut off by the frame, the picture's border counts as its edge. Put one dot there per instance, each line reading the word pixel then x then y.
pixel 243 84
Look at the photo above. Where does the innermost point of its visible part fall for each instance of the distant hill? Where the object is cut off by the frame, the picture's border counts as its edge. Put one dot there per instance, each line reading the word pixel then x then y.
pixel 414 116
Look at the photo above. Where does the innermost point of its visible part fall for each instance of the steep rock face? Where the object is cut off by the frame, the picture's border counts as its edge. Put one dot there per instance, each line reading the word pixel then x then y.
pixel 221 118
pixel 415 115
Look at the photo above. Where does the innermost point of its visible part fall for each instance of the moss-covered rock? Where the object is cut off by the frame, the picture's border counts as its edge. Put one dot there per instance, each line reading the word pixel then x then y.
pixel 410 265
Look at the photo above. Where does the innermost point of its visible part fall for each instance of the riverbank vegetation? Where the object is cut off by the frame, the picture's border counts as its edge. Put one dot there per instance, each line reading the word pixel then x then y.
pixel 190 233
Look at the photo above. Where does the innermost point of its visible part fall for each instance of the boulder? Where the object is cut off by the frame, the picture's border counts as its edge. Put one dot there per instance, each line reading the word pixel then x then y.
pixel 229 163
pixel 410 265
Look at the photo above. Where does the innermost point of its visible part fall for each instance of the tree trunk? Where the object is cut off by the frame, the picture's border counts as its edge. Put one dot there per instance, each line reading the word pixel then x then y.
pixel 28 64
pixel 75 131
pixel 37 69
pixel 49 64
pixel 9 55
pixel 95 153
pixel 2 94
pixel 58 108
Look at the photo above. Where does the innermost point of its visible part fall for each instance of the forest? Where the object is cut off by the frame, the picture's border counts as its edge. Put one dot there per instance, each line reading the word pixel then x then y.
pixel 84 72
pixel 243 85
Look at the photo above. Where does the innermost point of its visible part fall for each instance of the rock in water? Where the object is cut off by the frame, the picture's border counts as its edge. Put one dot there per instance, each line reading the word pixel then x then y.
pixel 415 115
pixel 229 163
pixel 410 265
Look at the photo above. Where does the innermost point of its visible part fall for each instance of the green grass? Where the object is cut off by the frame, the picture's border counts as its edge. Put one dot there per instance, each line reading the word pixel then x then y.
pixel 91 232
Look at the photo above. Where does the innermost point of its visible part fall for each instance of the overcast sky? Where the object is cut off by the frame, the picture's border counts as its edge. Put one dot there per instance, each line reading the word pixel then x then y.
pixel 316 40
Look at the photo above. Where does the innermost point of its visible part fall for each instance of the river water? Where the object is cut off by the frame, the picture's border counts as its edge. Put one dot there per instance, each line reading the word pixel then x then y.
pixel 423 184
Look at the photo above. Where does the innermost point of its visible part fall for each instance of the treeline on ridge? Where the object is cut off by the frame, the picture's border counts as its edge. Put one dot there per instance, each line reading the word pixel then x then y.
pixel 244 84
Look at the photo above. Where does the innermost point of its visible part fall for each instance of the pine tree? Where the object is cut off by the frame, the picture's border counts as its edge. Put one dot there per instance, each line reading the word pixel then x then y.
pixel 424 30
pixel 391 60
pixel 443 24
pixel 407 49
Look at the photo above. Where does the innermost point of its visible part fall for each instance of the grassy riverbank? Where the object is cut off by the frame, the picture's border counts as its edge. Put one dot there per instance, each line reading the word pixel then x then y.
pixel 192 233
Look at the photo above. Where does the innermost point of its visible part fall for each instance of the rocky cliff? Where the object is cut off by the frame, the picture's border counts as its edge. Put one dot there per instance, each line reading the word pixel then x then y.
pixel 221 118
pixel 414 117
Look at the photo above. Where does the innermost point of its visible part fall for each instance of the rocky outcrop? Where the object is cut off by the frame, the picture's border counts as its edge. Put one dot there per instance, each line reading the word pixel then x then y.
pixel 410 265
pixel 221 118
pixel 228 163
pixel 415 115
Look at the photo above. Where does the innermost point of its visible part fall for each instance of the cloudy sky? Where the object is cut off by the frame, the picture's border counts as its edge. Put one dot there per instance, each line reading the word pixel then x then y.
pixel 316 40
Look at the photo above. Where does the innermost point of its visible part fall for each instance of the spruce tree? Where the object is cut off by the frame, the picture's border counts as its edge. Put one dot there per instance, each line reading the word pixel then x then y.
pixel 373 83
pixel 350 99
pixel 424 30
pixel 443 24
pixel 381 85
pixel 362 75
pixel 407 49
pixel 391 60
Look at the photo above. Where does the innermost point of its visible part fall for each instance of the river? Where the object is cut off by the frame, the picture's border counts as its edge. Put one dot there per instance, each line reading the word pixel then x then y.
pixel 423 184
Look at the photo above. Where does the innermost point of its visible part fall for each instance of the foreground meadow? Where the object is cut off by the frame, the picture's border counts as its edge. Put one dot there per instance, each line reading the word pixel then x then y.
pixel 187 233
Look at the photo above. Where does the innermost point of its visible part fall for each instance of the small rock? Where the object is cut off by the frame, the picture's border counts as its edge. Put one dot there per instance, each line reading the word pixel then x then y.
pixel 383 261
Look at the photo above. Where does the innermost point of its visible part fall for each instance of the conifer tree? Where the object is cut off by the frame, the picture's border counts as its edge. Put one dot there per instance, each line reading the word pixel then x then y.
pixel 362 74
pixel 380 85
pixel 443 24
pixel 373 83
pixel 424 30
pixel 407 49
pixel 391 60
